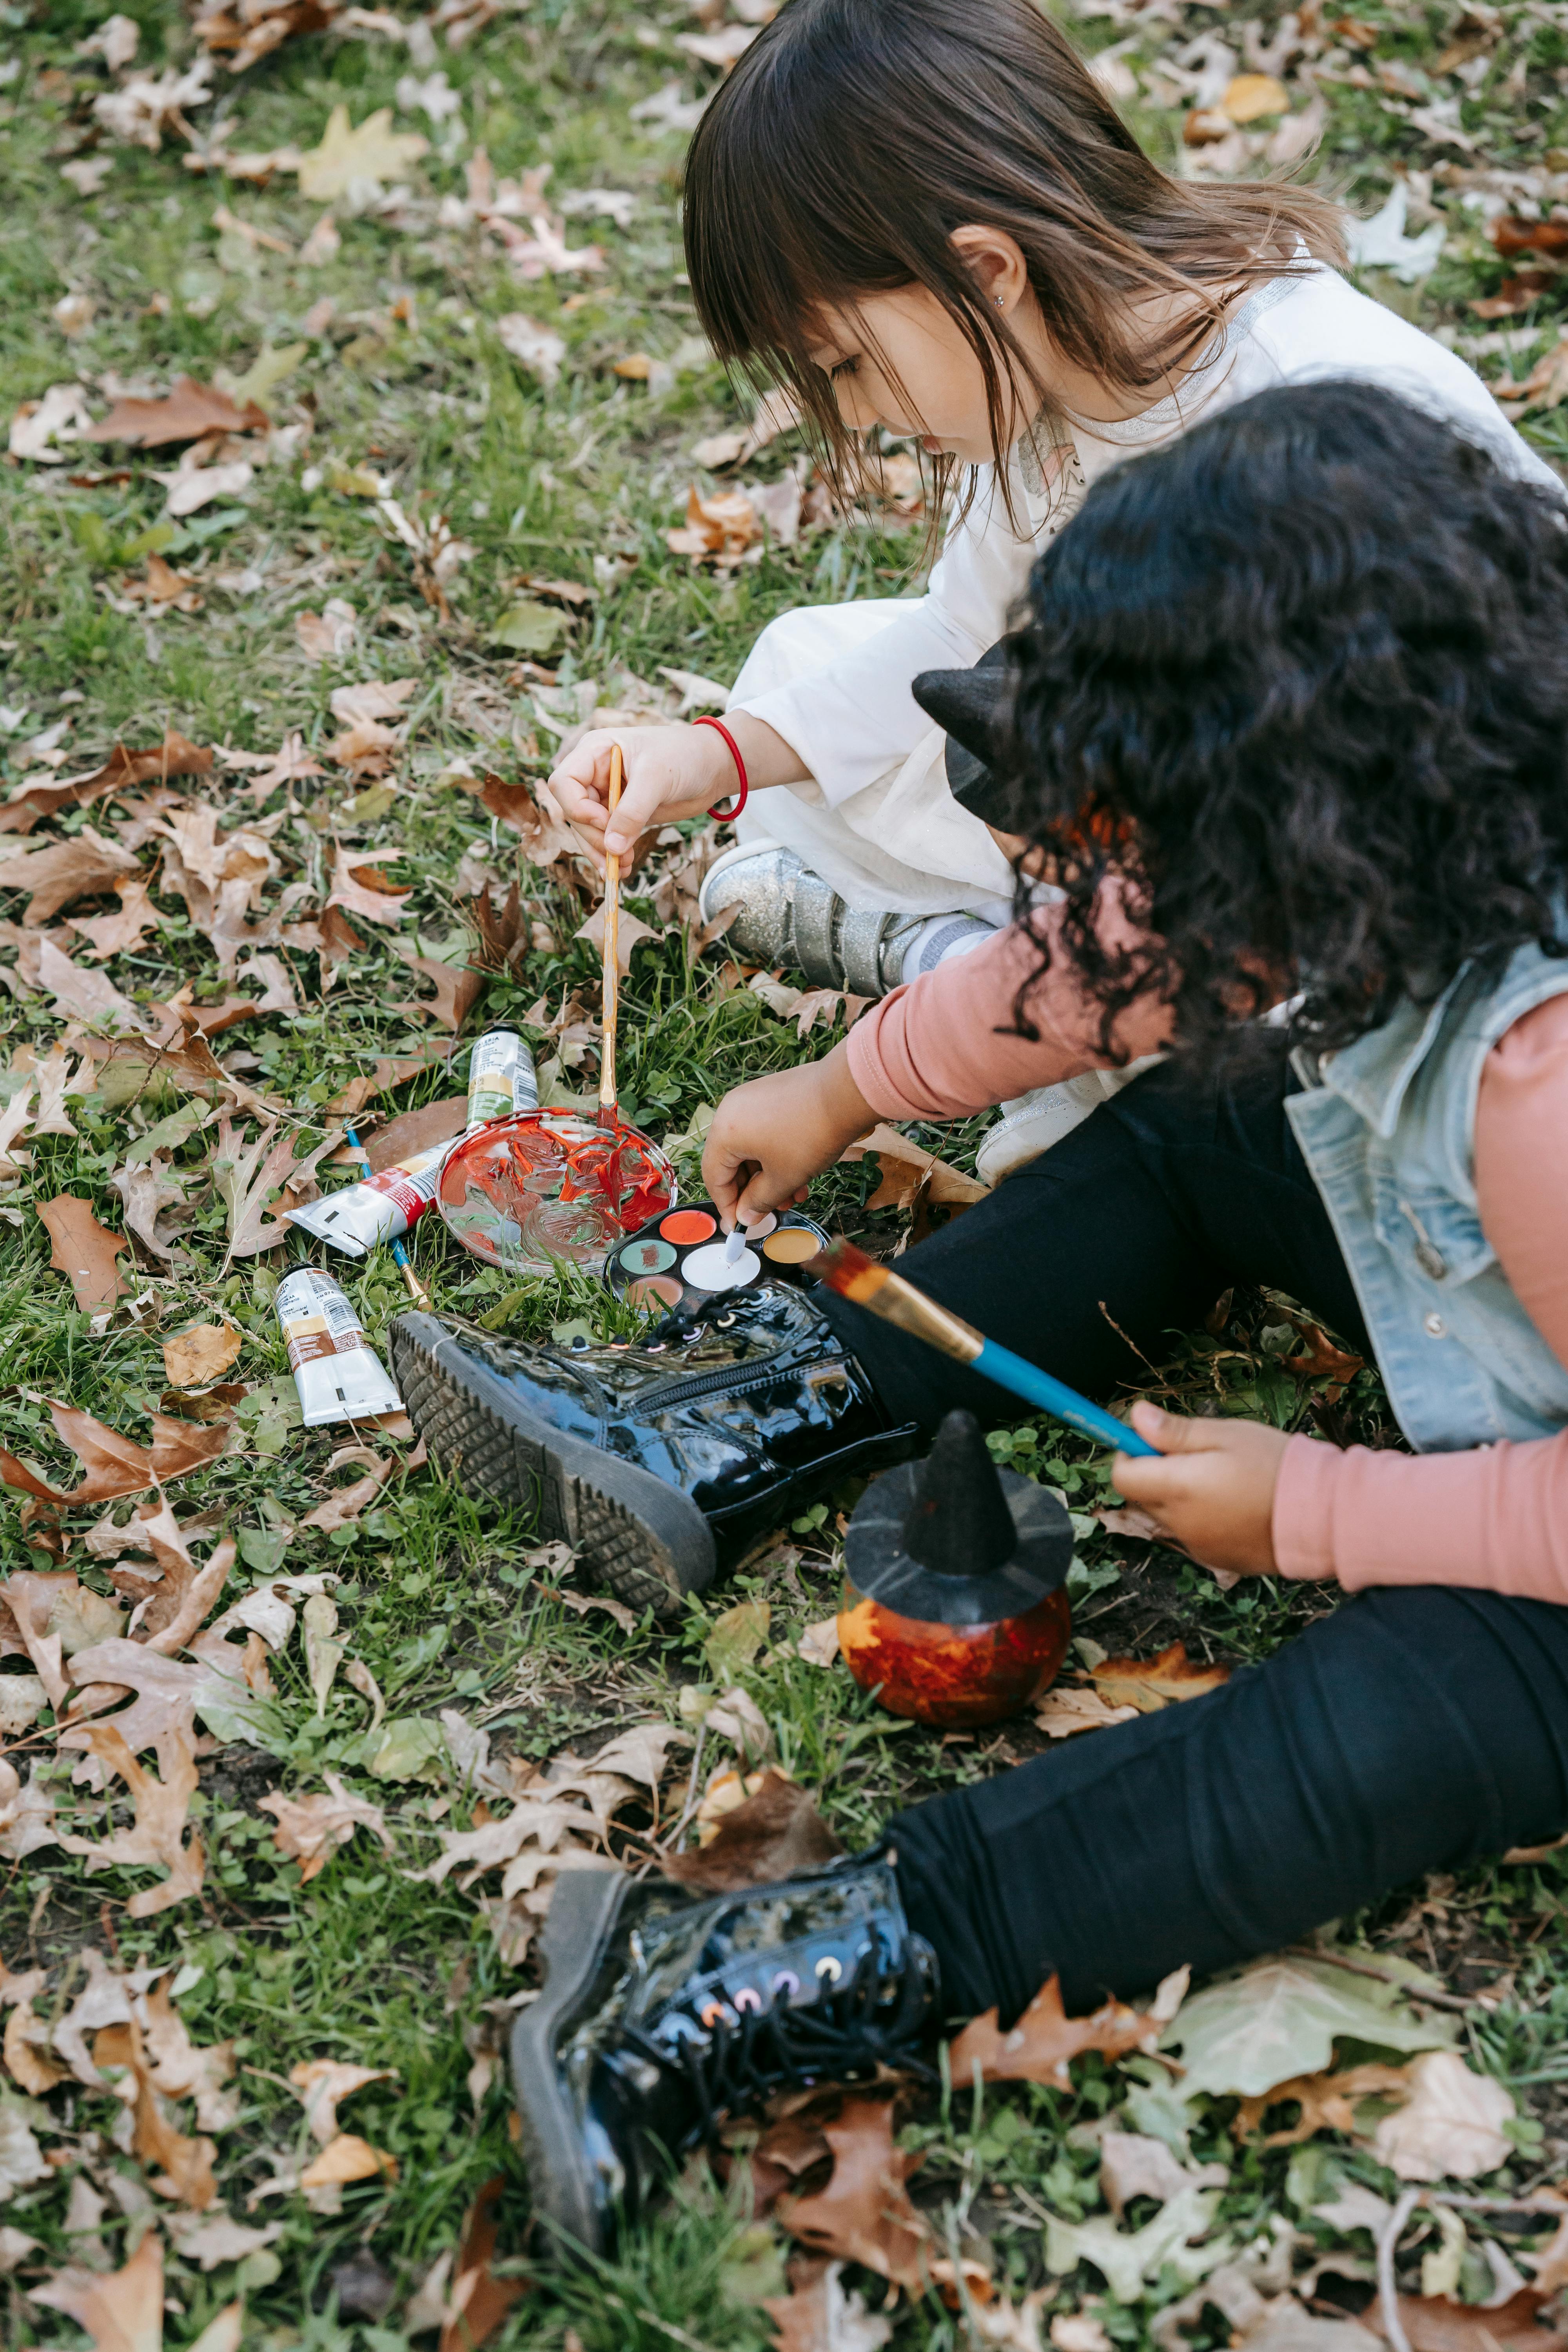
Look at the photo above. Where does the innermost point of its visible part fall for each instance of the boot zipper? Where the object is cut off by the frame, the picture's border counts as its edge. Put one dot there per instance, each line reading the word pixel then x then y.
pixel 703 1384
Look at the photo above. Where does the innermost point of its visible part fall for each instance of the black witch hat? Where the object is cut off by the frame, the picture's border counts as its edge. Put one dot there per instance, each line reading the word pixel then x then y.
pixel 953 1540
pixel 973 706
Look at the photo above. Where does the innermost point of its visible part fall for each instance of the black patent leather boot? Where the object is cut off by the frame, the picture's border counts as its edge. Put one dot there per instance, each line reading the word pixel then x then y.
pixel 660 1461
pixel 663 2014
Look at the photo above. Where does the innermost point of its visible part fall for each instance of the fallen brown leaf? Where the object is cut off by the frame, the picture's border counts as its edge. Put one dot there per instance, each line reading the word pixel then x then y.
pixel 819 2315
pixel 346 1503
pixel 193 1359
pixel 772 1834
pixel 864 2215
pixel 189 413
pixel 457 987
pixel 323 2081
pixel 157 1835
pixel 1327 2102
pixel 121 933
pixel 311 1829
pixel 907 1169
pixel 123 769
pixel 348 2158
pixel 630 933
pixel 85 1251
pixel 364 890
pixel 1149 1683
pixel 1451 2126
pixel 123 2310
pixel 412 1131
pixel 1065 1711
pixel 27 2039
pixel 1434 2323
pixel 113 1465
pixel 184 2166
pixel 1044 2040
pixel 84 866
pixel 245 1178
pixel 479 2301
pixel 545 837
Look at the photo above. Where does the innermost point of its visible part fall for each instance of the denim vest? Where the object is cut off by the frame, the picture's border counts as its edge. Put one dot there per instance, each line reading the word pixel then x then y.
pixel 1388 1129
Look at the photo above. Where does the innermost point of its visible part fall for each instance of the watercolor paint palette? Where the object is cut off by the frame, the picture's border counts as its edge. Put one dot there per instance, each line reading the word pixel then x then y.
pixel 677 1261
pixel 548 1188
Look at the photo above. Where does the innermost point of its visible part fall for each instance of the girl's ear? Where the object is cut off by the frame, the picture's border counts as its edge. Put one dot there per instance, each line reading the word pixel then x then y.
pixel 995 261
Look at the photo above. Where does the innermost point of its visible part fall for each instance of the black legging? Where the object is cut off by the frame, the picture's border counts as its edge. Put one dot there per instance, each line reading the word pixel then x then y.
pixel 1416 1729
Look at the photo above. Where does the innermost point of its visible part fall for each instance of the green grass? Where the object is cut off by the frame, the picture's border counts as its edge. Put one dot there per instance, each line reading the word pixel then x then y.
pixel 367 1962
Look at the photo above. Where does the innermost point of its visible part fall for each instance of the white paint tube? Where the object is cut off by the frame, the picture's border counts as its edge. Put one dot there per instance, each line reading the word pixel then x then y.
pixel 502 1082
pixel 380 1208
pixel 337 1372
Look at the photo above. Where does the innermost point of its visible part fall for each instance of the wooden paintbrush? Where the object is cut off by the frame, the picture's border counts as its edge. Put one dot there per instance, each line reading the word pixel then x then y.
pixel 861 1279
pixel 609 1111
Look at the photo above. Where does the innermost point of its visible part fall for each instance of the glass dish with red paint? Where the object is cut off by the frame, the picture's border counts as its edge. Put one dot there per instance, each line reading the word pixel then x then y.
pixel 548 1189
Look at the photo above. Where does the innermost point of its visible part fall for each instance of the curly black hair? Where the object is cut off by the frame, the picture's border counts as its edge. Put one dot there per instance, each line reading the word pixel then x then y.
pixel 1301 678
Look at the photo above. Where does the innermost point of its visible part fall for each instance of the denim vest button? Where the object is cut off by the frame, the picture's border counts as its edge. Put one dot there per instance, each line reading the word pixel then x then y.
pixel 1436 1326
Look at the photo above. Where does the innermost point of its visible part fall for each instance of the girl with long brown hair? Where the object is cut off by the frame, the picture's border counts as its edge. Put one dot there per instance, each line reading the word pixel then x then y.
pixel 927 216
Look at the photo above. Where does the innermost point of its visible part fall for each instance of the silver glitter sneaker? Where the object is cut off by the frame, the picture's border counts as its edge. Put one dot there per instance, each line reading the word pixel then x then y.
pixel 790 916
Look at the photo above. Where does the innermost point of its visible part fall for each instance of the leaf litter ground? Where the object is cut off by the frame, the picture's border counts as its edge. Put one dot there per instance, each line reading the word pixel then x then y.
pixel 364 446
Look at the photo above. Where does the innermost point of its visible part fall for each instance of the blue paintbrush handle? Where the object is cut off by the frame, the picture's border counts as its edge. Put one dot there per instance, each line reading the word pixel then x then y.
pixel 1037 1388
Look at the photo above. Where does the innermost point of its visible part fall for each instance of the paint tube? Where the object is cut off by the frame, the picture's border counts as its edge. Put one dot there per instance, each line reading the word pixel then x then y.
pixel 337 1372
pixel 380 1208
pixel 502 1078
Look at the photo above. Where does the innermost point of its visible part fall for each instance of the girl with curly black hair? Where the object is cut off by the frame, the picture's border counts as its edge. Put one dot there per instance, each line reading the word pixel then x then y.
pixel 1290 738
pixel 927 216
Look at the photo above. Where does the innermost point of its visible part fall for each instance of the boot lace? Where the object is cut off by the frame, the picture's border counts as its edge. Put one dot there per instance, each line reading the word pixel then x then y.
pixel 872 2017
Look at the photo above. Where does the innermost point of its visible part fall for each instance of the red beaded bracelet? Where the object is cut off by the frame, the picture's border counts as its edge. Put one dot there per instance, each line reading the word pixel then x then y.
pixel 727 815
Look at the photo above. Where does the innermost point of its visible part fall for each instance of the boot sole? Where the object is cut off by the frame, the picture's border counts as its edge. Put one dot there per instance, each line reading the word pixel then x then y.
pixel 648 1542
pixel 581 1922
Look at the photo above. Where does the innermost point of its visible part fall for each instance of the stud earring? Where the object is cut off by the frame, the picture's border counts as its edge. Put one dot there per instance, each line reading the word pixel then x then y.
pixel 1001 301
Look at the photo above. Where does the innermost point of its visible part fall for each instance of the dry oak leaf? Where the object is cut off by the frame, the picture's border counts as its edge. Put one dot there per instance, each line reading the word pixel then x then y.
pixel 864 2215
pixel 546 834
pixel 771 1833
pixel 1434 2323
pixel 120 773
pixel 1039 2048
pixel 84 866
pixel 324 637
pixel 83 995
pixel 189 413
pixel 193 1359
pixel 906 1167
pixel 113 1465
pixel 27 1812
pixel 346 1503
pixel 27 2038
pixel 458 986
pixel 1149 1683
pixel 1451 2126
pixel 323 2081
pixel 185 2165
pixel 311 1829
pixel 348 2158
pixel 85 1251
pixel 355 162
pixel 117 934
pixel 479 2301
pixel 1064 1711
pixel 123 2310
pixel 410 1131
pixel 1327 2102
pixel 364 890
pixel 630 933
pixel 157 1833
pixel 246 1177
pixel 818 2314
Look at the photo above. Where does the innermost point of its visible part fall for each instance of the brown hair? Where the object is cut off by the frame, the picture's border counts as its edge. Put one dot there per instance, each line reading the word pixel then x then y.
pixel 853 138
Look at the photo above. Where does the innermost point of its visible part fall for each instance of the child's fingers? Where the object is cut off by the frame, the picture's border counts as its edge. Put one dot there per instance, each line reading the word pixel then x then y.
pixel 639 808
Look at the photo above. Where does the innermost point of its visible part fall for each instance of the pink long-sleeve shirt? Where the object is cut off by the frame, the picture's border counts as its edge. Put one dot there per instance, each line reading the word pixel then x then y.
pixel 1497 1517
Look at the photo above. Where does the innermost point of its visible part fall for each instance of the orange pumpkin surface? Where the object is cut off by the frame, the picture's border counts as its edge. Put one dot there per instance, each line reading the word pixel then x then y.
pixel 956 1677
